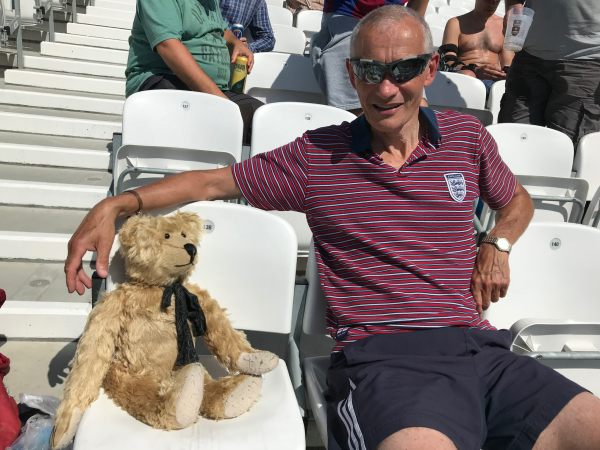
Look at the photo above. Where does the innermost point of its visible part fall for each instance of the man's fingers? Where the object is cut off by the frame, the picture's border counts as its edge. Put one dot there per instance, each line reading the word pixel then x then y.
pixel 73 265
pixel 102 255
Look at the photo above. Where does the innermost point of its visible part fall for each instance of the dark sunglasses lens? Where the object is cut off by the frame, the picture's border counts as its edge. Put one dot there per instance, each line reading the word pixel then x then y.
pixel 406 70
pixel 369 72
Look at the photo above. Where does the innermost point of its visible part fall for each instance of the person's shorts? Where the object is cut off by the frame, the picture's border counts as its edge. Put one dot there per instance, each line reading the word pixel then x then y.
pixel 562 94
pixel 330 48
pixel 462 382
pixel 247 104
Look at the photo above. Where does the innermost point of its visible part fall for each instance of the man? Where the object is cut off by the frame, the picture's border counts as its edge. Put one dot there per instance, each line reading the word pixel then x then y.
pixel 472 44
pixel 253 16
pixel 555 80
pixel 389 200
pixel 184 44
pixel 330 46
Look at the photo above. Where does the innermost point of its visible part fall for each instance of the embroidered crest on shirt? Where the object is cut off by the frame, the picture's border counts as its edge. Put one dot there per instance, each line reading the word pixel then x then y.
pixel 456 185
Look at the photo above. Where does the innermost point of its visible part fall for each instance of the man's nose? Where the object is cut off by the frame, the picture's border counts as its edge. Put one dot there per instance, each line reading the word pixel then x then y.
pixel 191 249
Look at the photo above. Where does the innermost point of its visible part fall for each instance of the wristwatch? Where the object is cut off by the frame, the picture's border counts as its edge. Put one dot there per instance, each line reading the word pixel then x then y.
pixel 501 243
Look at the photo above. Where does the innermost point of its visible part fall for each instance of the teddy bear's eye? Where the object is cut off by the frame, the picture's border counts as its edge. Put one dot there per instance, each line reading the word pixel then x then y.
pixel 183 234
pixel 167 235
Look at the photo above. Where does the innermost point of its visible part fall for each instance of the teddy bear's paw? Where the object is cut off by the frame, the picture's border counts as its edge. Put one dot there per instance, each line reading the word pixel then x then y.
pixel 242 397
pixel 65 428
pixel 257 363
pixel 190 395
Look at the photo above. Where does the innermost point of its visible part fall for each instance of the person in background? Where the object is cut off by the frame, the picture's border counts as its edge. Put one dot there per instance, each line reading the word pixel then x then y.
pixel 473 44
pixel 331 45
pixel 555 80
pixel 299 5
pixel 253 16
pixel 389 199
pixel 185 44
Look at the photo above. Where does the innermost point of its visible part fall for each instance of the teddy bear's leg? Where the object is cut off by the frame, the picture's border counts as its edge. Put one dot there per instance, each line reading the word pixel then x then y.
pixel 229 396
pixel 169 403
pixel 229 345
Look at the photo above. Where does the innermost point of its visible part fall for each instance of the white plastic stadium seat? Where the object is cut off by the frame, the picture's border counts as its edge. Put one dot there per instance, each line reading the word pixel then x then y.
pixel 437 34
pixel 280 15
pixel 167 131
pixel 495 97
pixel 277 124
pixel 456 89
pixel 309 21
pixel 261 258
pixel 435 20
pixel 279 77
pixel 587 161
pixel 552 301
pixel 288 39
pixel 534 150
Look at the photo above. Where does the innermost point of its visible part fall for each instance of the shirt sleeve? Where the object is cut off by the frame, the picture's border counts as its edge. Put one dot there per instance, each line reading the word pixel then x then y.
pixel 160 19
pixel 261 30
pixel 496 182
pixel 275 180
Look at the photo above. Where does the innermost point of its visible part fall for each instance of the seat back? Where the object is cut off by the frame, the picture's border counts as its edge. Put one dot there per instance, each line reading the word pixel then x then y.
pixel 309 21
pixel 437 34
pixel 495 97
pixel 168 131
pixel 250 270
pixel 456 89
pixel 278 77
pixel 288 39
pixel 553 273
pixel 533 150
pixel 277 124
pixel 279 15
pixel 587 161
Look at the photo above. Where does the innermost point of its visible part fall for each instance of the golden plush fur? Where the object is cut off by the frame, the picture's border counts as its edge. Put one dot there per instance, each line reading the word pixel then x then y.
pixel 129 345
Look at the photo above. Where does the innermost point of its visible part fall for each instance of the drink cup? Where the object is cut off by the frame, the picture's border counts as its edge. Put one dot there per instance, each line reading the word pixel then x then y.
pixel 517 26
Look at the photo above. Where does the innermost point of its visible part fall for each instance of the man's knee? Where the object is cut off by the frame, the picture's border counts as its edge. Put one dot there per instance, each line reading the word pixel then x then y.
pixel 417 438
pixel 575 426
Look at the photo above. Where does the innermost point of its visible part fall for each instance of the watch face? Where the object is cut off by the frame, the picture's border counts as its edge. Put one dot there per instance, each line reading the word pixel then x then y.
pixel 503 244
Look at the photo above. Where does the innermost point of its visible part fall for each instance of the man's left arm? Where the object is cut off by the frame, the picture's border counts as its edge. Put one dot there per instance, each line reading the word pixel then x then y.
pixel 419 6
pixel 261 30
pixel 238 48
pixel 491 274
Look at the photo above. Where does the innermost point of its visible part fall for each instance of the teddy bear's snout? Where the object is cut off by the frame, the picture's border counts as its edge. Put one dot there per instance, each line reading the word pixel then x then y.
pixel 191 249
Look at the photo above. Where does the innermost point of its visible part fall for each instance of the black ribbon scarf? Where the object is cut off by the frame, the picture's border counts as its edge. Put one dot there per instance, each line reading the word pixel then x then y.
pixel 187 308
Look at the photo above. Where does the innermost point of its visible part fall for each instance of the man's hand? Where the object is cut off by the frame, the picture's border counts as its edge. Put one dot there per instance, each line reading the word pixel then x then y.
pixel 240 48
pixel 491 276
pixel 95 233
pixel 488 72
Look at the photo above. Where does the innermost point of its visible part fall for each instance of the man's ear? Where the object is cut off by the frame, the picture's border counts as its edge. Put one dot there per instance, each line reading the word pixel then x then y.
pixel 431 69
pixel 350 73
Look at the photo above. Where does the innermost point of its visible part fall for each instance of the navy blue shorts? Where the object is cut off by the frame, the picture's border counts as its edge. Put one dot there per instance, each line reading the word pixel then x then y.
pixel 463 382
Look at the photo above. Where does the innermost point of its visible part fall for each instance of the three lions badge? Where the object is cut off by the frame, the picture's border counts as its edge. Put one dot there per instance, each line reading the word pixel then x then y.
pixel 456 185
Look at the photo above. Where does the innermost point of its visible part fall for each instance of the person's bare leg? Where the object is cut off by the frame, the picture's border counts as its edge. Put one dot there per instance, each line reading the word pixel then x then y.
pixel 576 427
pixel 417 438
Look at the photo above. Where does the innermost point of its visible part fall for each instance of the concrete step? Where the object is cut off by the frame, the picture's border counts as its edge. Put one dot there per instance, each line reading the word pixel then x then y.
pixel 28 219
pixel 83 29
pixel 113 4
pixel 50 194
pixel 66 142
pixel 74 66
pixel 86 53
pixel 102 11
pixel 91 41
pixel 65 82
pixel 61 101
pixel 74 176
pixel 110 22
pixel 54 156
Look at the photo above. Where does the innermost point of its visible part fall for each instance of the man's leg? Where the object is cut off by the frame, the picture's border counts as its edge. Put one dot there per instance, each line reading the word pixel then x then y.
pixel 248 106
pixel 576 427
pixel 417 438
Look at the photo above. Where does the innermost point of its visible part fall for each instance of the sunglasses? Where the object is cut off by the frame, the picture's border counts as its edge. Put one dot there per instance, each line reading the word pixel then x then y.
pixel 401 71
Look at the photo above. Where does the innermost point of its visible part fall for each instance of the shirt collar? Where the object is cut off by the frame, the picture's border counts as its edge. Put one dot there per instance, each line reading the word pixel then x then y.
pixel 361 131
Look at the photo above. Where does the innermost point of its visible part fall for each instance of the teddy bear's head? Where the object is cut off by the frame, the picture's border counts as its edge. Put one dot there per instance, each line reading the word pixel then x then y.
pixel 160 250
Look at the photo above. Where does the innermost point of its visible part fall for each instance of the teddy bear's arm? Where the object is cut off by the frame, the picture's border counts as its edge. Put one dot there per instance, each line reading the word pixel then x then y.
pixel 90 364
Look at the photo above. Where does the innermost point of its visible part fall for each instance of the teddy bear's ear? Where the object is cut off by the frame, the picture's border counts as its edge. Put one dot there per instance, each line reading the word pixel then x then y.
pixel 137 228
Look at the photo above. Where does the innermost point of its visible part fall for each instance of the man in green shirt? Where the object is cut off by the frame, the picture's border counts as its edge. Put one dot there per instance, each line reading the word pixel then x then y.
pixel 185 44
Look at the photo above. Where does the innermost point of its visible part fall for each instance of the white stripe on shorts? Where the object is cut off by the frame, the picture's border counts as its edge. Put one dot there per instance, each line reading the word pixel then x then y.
pixel 347 415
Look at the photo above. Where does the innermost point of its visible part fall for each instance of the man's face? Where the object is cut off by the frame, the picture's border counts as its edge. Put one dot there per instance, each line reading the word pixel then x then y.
pixel 389 105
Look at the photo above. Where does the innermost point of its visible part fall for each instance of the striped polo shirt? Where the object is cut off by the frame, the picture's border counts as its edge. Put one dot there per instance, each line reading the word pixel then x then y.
pixel 395 248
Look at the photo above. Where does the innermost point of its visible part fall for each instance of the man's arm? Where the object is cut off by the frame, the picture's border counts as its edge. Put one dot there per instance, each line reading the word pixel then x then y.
pixel 97 230
pixel 261 30
pixel 238 48
pixel 179 59
pixel 491 275
pixel 419 6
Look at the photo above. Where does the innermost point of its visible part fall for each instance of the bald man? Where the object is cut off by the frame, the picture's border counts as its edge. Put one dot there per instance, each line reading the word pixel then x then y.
pixel 389 200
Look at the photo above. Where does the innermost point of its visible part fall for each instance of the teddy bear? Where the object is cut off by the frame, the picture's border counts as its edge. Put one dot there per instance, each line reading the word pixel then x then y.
pixel 138 346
